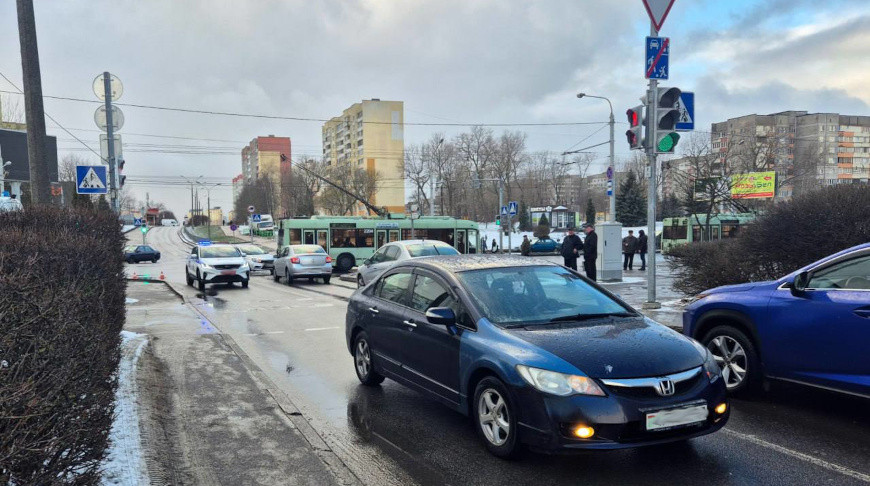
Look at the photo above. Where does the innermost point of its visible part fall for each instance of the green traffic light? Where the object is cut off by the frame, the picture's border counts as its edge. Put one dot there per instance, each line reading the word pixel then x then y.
pixel 144 229
pixel 668 142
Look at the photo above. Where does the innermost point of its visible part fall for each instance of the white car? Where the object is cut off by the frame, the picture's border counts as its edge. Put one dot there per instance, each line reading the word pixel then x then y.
pixel 210 264
pixel 10 204
pixel 257 258
pixel 396 251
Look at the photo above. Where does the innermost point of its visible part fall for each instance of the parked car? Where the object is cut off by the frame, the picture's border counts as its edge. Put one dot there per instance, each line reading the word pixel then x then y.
pixel 301 261
pixel 209 264
pixel 168 222
pixel 810 327
pixel 535 353
pixel 258 258
pixel 10 203
pixel 397 251
pixel 140 253
pixel 545 245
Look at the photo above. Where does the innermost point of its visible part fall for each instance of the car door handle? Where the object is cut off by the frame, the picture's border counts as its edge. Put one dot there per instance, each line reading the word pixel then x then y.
pixel 409 323
pixel 374 310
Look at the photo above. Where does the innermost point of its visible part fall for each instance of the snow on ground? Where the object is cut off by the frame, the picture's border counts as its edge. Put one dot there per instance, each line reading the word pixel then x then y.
pixel 124 463
pixel 131 301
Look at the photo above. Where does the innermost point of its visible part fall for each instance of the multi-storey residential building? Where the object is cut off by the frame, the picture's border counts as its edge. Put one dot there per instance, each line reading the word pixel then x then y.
pixel 370 135
pixel 238 182
pixel 804 149
pixel 269 158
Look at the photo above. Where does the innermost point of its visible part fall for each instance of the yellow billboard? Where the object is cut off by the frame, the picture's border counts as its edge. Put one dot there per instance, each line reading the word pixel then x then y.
pixel 753 185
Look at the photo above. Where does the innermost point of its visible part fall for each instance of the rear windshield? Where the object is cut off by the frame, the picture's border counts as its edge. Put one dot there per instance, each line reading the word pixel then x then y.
pixel 252 250
pixel 219 252
pixel 302 249
pixel 425 249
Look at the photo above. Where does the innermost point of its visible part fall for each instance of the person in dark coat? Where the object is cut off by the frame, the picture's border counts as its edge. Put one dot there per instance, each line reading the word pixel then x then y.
pixel 641 248
pixel 526 246
pixel 590 252
pixel 572 245
pixel 629 248
pixel 494 246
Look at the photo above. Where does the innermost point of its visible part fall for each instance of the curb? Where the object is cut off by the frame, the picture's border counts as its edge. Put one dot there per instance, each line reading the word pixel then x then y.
pixel 153 280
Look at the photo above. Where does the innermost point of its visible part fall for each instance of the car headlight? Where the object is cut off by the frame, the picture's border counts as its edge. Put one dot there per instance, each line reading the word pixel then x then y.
pixel 711 367
pixel 559 383
pixel 244 267
pixel 257 260
pixel 207 266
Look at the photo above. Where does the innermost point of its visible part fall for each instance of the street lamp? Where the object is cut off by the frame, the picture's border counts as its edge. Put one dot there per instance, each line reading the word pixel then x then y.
pixel 612 216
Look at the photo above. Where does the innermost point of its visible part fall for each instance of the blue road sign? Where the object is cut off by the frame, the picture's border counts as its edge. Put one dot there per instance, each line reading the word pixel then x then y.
pixel 504 211
pixel 686 105
pixel 610 173
pixel 512 208
pixel 91 179
pixel 657 50
pixel 256 218
pixel 137 222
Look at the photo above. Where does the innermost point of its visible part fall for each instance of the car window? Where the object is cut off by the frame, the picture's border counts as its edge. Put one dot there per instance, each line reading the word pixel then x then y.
pixel 304 249
pixel 394 287
pixel 427 293
pixel 146 248
pixel 219 252
pixel 379 256
pixel 392 253
pixel 535 294
pixel 853 274
pixel 129 249
pixel 252 250
pixel 193 250
pixel 429 249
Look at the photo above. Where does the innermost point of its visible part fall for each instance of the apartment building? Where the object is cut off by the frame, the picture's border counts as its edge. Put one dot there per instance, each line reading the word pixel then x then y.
pixel 269 158
pixel 238 182
pixel 370 135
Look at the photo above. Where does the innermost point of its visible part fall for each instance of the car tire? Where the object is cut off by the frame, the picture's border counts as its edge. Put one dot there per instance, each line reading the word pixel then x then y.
pixel 326 280
pixel 345 262
pixel 153 260
pixel 245 284
pixel 742 355
pixel 130 260
pixel 188 278
pixel 289 279
pixel 491 396
pixel 359 281
pixel 363 363
pixel 275 276
pixel 201 282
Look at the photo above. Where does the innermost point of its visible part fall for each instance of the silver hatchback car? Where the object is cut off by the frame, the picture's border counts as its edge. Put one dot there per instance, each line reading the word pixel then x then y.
pixel 301 261
pixel 396 251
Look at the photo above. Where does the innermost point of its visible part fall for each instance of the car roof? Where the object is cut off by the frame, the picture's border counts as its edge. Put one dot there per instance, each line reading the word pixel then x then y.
pixel 462 263
pixel 418 242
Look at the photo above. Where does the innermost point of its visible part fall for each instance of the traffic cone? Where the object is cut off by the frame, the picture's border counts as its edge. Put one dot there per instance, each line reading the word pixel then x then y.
pixel 162 277
pixel 135 277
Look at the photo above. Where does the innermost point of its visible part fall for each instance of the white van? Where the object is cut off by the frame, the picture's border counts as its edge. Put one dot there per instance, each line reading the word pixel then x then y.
pixel 169 222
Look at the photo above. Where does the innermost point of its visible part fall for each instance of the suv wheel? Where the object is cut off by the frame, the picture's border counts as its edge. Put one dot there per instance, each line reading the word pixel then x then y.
pixel 362 360
pixel 736 355
pixel 495 418
pixel 201 282
pixel 359 281
pixel 187 277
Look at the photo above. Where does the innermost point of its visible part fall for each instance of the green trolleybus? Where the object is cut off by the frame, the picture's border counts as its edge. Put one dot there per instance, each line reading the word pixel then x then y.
pixel 688 229
pixel 350 240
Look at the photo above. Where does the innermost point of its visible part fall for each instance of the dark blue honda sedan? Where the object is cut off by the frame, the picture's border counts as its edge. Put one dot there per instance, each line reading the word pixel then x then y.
pixel 536 354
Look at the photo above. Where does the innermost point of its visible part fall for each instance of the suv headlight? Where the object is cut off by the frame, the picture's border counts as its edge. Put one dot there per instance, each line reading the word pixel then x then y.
pixel 711 367
pixel 556 383
pixel 244 267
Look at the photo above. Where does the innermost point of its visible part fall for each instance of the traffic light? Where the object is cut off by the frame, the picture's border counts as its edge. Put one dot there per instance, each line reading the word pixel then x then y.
pixel 666 118
pixel 143 229
pixel 634 134
pixel 498 220
pixel 121 178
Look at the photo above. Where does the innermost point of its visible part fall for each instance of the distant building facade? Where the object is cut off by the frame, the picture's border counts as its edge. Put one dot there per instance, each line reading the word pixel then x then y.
pixel 238 183
pixel 269 158
pixel 370 135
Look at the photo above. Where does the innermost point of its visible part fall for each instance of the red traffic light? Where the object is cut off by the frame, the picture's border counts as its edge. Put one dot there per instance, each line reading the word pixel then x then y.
pixel 632 138
pixel 633 116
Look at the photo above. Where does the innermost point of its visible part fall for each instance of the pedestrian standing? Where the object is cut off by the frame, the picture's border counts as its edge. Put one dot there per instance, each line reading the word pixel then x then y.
pixel 571 248
pixel 526 246
pixel 641 248
pixel 483 245
pixel 494 246
pixel 629 248
pixel 590 252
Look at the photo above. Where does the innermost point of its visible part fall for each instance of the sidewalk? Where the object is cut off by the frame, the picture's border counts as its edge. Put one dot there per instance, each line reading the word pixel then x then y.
pixel 207 415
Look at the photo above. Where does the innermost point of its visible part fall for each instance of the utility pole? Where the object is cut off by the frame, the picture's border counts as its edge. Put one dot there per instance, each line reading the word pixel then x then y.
pixel 40 187
pixel 110 144
pixel 651 190
pixel 500 205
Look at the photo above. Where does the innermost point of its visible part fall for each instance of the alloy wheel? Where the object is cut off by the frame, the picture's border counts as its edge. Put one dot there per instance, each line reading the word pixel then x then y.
pixel 363 358
pixel 493 416
pixel 731 358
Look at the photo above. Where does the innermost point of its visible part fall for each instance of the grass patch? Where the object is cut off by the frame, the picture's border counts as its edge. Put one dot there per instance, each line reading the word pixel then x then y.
pixel 216 235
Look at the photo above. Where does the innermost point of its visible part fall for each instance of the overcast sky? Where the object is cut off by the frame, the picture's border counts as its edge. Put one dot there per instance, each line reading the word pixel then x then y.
pixel 475 61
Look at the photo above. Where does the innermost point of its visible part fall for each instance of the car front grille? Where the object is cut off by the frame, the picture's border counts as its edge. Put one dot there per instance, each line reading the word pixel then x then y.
pixel 646 392
pixel 226 267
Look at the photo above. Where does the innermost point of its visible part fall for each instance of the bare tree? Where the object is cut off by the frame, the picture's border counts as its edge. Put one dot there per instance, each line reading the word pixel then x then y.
pixel 477 148
pixel 510 155
pixel 417 170
pixel 11 109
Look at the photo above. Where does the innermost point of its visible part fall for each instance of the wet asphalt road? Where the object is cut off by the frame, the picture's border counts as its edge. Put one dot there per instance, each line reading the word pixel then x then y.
pixel 392 435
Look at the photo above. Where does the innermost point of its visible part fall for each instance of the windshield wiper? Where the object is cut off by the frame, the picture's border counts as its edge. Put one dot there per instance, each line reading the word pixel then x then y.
pixel 587 317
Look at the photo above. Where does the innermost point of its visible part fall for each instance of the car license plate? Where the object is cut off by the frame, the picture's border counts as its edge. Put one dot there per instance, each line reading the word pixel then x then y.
pixel 676 417
pixel 228 272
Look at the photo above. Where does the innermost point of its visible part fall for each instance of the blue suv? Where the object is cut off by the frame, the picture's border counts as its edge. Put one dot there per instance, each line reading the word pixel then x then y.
pixel 810 327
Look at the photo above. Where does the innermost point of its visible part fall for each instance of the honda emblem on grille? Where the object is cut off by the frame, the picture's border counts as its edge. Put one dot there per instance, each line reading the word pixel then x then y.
pixel 665 387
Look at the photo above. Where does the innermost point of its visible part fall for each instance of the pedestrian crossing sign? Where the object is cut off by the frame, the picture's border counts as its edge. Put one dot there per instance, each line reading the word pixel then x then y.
pixel 91 179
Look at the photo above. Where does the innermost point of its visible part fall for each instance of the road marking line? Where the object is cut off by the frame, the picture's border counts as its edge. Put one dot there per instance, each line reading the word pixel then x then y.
pixel 321 328
pixel 274 332
pixel 800 455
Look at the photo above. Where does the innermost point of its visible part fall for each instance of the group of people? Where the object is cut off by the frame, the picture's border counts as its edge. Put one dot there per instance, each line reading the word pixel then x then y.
pixel 632 245
pixel 573 247
pixel 484 249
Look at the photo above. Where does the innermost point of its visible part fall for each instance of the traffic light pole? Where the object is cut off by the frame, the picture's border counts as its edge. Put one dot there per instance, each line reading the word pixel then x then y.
pixel 651 191
pixel 110 145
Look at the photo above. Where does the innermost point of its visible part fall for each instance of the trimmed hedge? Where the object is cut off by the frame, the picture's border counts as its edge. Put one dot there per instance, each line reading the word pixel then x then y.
pixel 789 236
pixel 62 296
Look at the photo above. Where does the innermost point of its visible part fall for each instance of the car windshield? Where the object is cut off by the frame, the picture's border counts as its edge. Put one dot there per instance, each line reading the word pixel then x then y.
pixel 303 249
pixel 429 249
pixel 252 250
pixel 219 252
pixel 533 295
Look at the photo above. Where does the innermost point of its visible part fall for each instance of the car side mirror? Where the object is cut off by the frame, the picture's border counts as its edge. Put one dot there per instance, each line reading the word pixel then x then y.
pixel 799 285
pixel 441 315
pixel 367 261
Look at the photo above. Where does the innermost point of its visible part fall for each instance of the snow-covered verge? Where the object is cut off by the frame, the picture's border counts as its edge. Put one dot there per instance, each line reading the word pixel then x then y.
pixel 124 463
